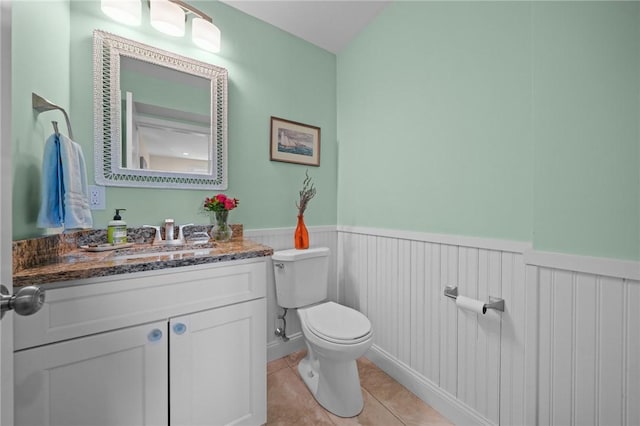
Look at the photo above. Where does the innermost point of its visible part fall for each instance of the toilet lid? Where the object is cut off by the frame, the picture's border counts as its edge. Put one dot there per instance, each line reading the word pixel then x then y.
pixel 337 323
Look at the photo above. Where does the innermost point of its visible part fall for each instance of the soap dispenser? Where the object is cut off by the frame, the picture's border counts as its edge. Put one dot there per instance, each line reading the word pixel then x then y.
pixel 117 229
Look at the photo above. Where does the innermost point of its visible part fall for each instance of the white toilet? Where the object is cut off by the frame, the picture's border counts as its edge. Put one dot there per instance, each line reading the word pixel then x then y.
pixel 335 335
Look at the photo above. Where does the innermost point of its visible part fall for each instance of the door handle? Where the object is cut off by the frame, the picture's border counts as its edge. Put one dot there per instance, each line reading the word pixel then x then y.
pixel 26 301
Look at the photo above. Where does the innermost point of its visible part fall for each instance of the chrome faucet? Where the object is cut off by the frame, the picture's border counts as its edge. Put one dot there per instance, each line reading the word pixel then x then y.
pixel 168 231
pixel 169 228
pixel 181 232
pixel 157 237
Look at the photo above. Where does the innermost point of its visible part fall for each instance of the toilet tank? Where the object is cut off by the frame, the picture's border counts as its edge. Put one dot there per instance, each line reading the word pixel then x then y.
pixel 301 276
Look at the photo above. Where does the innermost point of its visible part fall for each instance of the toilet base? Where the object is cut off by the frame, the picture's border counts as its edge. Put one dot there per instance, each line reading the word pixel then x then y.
pixel 335 385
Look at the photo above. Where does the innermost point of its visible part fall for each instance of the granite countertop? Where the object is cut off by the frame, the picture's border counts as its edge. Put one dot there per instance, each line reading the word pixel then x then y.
pixel 75 263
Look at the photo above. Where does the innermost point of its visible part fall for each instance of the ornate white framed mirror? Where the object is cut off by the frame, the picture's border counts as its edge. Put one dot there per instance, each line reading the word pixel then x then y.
pixel 160 119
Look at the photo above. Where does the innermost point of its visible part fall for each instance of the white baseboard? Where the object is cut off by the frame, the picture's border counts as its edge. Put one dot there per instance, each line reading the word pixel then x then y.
pixel 442 401
pixel 277 349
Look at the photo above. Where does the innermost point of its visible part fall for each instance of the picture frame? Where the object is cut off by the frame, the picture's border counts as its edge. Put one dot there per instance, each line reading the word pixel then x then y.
pixel 293 142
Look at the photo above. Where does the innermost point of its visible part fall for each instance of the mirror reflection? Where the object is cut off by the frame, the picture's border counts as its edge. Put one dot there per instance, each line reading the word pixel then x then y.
pixel 161 118
pixel 166 118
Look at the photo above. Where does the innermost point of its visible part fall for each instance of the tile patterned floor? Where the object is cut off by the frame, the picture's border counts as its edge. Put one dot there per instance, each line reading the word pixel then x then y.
pixel 386 402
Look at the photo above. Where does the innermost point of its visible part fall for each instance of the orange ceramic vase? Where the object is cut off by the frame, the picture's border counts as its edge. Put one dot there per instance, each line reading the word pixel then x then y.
pixel 301 237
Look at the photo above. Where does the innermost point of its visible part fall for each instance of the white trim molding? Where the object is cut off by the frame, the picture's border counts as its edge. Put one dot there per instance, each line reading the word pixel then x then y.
pixel 453 240
pixel 277 349
pixel 626 269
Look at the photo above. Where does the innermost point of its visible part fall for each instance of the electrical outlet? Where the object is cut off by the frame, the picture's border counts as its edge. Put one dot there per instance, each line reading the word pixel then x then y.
pixel 97 198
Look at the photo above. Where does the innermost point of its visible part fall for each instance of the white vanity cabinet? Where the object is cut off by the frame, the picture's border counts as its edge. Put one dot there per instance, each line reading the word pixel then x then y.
pixel 181 346
pixel 112 378
pixel 217 366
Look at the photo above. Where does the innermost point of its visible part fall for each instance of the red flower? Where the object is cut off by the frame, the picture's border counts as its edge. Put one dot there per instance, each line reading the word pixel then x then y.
pixel 220 202
pixel 229 204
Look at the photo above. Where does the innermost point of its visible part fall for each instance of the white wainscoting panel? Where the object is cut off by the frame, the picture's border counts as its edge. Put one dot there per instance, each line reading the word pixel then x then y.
pixel 589 349
pixel 282 239
pixel 453 359
pixel 566 351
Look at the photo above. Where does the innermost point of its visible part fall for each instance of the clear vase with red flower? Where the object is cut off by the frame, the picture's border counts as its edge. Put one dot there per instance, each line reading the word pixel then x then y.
pixel 221 230
pixel 219 207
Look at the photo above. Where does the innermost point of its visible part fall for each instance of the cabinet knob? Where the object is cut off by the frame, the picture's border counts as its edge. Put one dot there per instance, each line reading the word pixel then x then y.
pixel 154 335
pixel 179 328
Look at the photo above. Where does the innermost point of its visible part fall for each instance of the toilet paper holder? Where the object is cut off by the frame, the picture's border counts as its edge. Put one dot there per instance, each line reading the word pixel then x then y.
pixel 493 303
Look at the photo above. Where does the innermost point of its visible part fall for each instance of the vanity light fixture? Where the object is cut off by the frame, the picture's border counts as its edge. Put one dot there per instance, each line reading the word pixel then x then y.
pixel 128 12
pixel 205 35
pixel 169 17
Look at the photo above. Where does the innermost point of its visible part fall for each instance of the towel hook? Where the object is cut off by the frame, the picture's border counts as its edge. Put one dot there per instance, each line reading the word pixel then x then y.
pixel 40 104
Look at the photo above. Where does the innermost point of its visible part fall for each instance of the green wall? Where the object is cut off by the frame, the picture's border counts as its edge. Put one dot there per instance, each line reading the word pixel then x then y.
pixel 586 83
pixel 511 120
pixel 40 63
pixel 508 120
pixel 270 73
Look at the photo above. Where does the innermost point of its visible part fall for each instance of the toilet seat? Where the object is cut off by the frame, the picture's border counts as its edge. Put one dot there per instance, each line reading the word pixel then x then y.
pixel 337 323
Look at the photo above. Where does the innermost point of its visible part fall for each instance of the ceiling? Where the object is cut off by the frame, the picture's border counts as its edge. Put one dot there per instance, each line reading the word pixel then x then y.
pixel 330 25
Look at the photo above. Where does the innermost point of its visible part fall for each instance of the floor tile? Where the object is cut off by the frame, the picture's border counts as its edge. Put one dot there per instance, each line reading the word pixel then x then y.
pixel 276 365
pixel 410 409
pixel 382 386
pixel 290 403
pixel 413 411
pixel 295 358
pixel 373 413
pixel 386 402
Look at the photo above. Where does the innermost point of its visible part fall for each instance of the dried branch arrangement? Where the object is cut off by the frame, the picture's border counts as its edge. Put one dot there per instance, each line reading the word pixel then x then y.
pixel 306 194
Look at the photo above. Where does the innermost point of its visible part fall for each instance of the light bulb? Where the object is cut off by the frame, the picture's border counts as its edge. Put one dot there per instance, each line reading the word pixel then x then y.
pixel 167 17
pixel 128 12
pixel 205 35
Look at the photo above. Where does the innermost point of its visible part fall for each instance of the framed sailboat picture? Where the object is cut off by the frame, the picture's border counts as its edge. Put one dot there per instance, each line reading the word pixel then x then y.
pixel 294 142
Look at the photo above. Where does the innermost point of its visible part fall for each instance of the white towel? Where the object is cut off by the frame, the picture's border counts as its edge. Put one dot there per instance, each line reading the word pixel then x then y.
pixel 65 192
